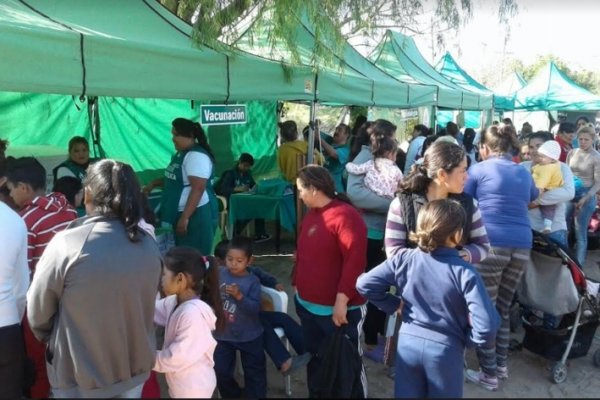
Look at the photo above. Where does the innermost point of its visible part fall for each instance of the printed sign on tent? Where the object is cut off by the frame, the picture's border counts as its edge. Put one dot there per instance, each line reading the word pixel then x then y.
pixel 222 114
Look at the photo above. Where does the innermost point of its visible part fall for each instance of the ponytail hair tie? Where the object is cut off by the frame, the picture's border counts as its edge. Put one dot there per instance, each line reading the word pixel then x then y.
pixel 206 262
pixel 335 194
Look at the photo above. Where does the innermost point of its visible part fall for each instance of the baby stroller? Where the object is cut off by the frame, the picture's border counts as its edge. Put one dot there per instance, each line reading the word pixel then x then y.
pixel 555 287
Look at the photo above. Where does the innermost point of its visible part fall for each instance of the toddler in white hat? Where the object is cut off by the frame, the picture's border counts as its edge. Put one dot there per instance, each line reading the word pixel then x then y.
pixel 547 175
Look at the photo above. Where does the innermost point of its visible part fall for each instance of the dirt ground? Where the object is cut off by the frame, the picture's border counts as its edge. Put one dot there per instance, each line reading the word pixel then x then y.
pixel 529 373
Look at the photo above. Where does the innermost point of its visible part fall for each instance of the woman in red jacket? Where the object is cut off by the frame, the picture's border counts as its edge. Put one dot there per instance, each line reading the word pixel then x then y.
pixel 331 254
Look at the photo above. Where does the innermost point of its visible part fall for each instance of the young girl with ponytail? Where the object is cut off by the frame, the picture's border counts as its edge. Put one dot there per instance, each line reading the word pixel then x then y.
pixel 190 312
pixel 442 300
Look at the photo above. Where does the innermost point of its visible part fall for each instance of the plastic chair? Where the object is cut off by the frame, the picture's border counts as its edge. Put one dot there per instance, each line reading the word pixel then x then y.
pixel 223 215
pixel 280 303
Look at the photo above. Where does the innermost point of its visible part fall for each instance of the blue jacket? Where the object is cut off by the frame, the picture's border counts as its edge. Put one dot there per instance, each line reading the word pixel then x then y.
pixel 503 190
pixel 444 297
pixel 264 277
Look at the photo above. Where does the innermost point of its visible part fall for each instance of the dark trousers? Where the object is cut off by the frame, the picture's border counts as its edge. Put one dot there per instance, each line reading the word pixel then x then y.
pixel 316 328
pixel 253 364
pixel 375 319
pixel 12 362
pixel 273 345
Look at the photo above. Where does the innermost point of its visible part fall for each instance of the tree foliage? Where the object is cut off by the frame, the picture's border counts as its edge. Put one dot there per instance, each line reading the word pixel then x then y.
pixel 218 21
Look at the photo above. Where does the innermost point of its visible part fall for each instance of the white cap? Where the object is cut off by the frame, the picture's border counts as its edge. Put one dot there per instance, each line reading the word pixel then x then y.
pixel 551 149
pixel 447 138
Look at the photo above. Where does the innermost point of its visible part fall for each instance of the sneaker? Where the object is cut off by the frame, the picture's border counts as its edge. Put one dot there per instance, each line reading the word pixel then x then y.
pixel 297 363
pixel 262 238
pixel 482 379
pixel 376 353
pixel 502 372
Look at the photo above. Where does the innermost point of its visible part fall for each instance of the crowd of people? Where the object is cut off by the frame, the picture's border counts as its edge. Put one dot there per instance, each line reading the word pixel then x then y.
pixel 438 233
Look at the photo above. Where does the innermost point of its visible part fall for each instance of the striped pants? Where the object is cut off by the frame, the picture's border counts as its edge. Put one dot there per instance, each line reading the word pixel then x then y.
pixel 501 272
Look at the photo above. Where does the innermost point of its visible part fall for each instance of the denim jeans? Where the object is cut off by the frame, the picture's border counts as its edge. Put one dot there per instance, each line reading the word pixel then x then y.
pixel 581 221
pixel 560 236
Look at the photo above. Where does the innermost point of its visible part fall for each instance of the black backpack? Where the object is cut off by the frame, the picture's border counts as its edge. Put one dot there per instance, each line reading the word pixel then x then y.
pixel 339 374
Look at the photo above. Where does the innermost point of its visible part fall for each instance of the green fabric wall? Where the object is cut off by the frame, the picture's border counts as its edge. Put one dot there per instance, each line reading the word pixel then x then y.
pixel 136 131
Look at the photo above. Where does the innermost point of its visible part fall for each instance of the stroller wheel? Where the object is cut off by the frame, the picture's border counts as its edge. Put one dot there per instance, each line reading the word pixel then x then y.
pixel 597 358
pixel 559 372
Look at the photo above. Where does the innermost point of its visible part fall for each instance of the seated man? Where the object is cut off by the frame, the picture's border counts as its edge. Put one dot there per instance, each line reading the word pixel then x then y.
pixel 238 180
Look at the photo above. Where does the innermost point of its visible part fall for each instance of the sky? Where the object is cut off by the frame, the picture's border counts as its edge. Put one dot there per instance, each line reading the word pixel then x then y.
pixel 568 29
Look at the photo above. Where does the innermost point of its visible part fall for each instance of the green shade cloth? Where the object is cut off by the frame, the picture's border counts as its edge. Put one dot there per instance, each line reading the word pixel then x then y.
pixel 550 89
pixel 398 55
pixel 136 131
pixel 245 206
pixel 361 82
pixel 448 67
pixel 472 118
pixel 131 48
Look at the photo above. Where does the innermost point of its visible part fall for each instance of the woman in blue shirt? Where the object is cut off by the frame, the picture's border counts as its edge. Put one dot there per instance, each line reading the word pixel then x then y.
pixel 504 190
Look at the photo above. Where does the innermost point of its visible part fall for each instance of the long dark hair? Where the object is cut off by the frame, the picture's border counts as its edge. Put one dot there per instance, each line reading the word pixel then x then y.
pixel 440 155
pixel 115 190
pixel 320 179
pixel 190 129
pixel 204 273
pixel 362 138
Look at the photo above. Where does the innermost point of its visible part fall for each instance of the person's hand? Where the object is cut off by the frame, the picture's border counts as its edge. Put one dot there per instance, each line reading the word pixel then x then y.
pixel 581 203
pixel 182 224
pixel 464 255
pixel 241 188
pixel 234 291
pixel 533 204
pixel 280 287
pixel 147 189
pixel 340 309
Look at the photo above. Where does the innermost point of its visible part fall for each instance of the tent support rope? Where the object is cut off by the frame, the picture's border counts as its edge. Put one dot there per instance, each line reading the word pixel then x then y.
pixel 84 85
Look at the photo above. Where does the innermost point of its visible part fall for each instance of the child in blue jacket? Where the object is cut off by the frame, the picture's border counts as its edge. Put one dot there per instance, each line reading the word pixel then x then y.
pixel 442 301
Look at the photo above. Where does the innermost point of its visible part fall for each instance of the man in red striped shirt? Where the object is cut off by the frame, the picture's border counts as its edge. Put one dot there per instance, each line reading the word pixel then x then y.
pixel 44 215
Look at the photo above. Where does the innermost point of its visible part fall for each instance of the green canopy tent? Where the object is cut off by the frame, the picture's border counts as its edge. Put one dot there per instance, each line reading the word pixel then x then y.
pixel 398 55
pixel 511 84
pixel 131 49
pixel 551 90
pixel 372 86
pixel 448 67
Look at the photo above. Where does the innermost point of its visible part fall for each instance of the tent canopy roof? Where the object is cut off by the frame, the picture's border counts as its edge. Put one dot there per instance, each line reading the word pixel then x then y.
pixel 448 67
pixel 133 48
pixel 399 56
pixel 550 89
pixel 361 81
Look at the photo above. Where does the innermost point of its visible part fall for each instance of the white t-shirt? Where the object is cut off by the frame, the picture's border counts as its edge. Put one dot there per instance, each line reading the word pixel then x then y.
pixel 14 271
pixel 198 165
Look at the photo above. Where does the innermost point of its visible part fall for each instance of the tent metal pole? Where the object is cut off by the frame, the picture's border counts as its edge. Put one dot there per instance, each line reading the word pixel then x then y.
pixel 94 118
pixel 311 132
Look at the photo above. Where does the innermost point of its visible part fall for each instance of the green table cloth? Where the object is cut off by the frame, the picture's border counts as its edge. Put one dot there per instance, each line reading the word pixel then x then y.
pixel 244 206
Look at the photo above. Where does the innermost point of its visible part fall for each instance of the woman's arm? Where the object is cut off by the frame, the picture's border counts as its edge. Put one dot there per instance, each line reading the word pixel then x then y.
pixel 479 244
pixel 395 229
pixel 158 182
pixel 374 285
pixel 561 194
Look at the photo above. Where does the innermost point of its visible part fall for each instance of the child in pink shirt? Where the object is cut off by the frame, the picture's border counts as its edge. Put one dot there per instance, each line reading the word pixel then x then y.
pixel 187 354
pixel 382 175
